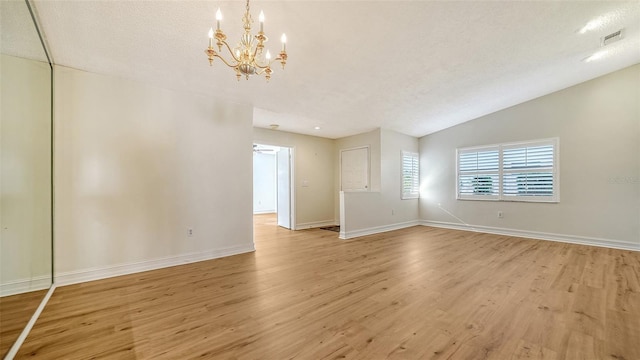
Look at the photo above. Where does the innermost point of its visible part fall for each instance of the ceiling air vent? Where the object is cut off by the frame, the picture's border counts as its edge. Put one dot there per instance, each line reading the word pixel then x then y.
pixel 613 37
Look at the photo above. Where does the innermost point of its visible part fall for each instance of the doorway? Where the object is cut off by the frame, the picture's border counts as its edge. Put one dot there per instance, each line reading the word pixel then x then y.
pixel 272 183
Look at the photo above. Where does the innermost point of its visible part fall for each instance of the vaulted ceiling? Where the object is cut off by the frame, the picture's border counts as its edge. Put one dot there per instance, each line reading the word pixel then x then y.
pixel 415 67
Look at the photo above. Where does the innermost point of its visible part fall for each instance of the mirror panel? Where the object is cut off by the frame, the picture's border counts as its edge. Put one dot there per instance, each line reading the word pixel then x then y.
pixel 25 171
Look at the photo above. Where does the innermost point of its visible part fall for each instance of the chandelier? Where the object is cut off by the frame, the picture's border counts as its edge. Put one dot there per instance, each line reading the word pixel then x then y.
pixel 247 58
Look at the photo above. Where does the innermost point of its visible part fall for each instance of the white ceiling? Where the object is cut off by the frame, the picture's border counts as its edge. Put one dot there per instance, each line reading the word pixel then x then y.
pixel 18 34
pixel 415 67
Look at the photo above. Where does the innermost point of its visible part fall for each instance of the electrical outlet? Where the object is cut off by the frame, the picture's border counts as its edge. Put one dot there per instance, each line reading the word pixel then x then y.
pixel 189 232
pixel 393 212
pixel 500 215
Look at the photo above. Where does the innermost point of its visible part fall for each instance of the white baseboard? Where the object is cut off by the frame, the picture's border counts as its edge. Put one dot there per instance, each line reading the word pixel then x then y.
pixel 74 277
pixel 27 329
pixel 376 230
pixel 572 239
pixel 258 212
pixel 315 224
pixel 25 285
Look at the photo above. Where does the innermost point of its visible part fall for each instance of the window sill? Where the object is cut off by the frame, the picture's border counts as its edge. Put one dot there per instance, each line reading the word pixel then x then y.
pixel 409 197
pixel 514 200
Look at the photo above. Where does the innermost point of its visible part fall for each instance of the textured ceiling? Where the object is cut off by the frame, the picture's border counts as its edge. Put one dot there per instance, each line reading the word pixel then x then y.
pixel 415 67
pixel 18 35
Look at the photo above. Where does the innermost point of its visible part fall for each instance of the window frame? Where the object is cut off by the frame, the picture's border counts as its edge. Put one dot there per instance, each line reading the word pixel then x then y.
pixel 477 149
pixel 555 169
pixel 415 175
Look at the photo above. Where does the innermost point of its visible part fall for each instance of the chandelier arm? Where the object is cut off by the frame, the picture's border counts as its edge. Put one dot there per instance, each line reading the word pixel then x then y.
pixel 224 61
pixel 231 52
pixel 262 67
pixel 269 63
pixel 263 71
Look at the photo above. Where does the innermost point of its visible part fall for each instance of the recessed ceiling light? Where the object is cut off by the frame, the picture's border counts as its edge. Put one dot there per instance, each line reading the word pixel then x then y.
pixel 597 56
pixel 593 24
pixel 317 127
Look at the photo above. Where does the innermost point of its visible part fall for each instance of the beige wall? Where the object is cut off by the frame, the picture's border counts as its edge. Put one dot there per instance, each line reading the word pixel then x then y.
pixel 25 203
pixel 313 167
pixel 393 143
pixel 136 166
pixel 382 208
pixel 598 124
pixel 370 139
pixel 317 161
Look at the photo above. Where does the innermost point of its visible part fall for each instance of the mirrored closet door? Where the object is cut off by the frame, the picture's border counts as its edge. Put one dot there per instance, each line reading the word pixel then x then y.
pixel 25 170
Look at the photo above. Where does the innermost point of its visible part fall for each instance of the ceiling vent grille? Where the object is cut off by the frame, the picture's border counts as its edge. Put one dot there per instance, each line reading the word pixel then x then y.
pixel 613 37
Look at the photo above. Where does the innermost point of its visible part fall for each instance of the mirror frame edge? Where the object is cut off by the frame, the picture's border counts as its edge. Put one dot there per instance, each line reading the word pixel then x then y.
pixel 13 350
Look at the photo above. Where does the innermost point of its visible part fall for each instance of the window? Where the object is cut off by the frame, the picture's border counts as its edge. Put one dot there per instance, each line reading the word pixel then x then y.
pixel 410 175
pixel 479 173
pixel 526 171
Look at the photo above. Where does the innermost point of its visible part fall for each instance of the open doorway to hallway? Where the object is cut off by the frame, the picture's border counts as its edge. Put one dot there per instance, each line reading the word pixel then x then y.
pixel 272 183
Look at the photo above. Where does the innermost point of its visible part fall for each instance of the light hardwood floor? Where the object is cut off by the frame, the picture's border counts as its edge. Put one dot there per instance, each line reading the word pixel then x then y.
pixel 417 293
pixel 15 313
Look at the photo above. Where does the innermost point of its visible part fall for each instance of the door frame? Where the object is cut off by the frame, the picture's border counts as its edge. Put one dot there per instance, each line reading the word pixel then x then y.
pixel 292 187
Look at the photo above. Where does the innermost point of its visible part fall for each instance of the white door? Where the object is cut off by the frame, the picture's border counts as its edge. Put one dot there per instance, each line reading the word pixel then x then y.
pixel 283 207
pixel 354 169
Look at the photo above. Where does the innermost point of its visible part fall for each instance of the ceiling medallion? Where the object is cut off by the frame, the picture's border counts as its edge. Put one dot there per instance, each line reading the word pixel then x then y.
pixel 247 58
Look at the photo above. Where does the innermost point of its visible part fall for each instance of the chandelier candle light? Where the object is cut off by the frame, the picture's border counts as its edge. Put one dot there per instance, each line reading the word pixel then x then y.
pixel 246 58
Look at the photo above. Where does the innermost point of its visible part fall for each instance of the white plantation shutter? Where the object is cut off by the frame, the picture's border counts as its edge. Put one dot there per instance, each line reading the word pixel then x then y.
pixel 526 171
pixel 529 171
pixel 479 173
pixel 410 175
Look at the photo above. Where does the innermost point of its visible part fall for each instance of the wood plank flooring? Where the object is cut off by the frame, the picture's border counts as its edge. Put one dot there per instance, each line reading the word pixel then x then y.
pixel 417 293
pixel 15 313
